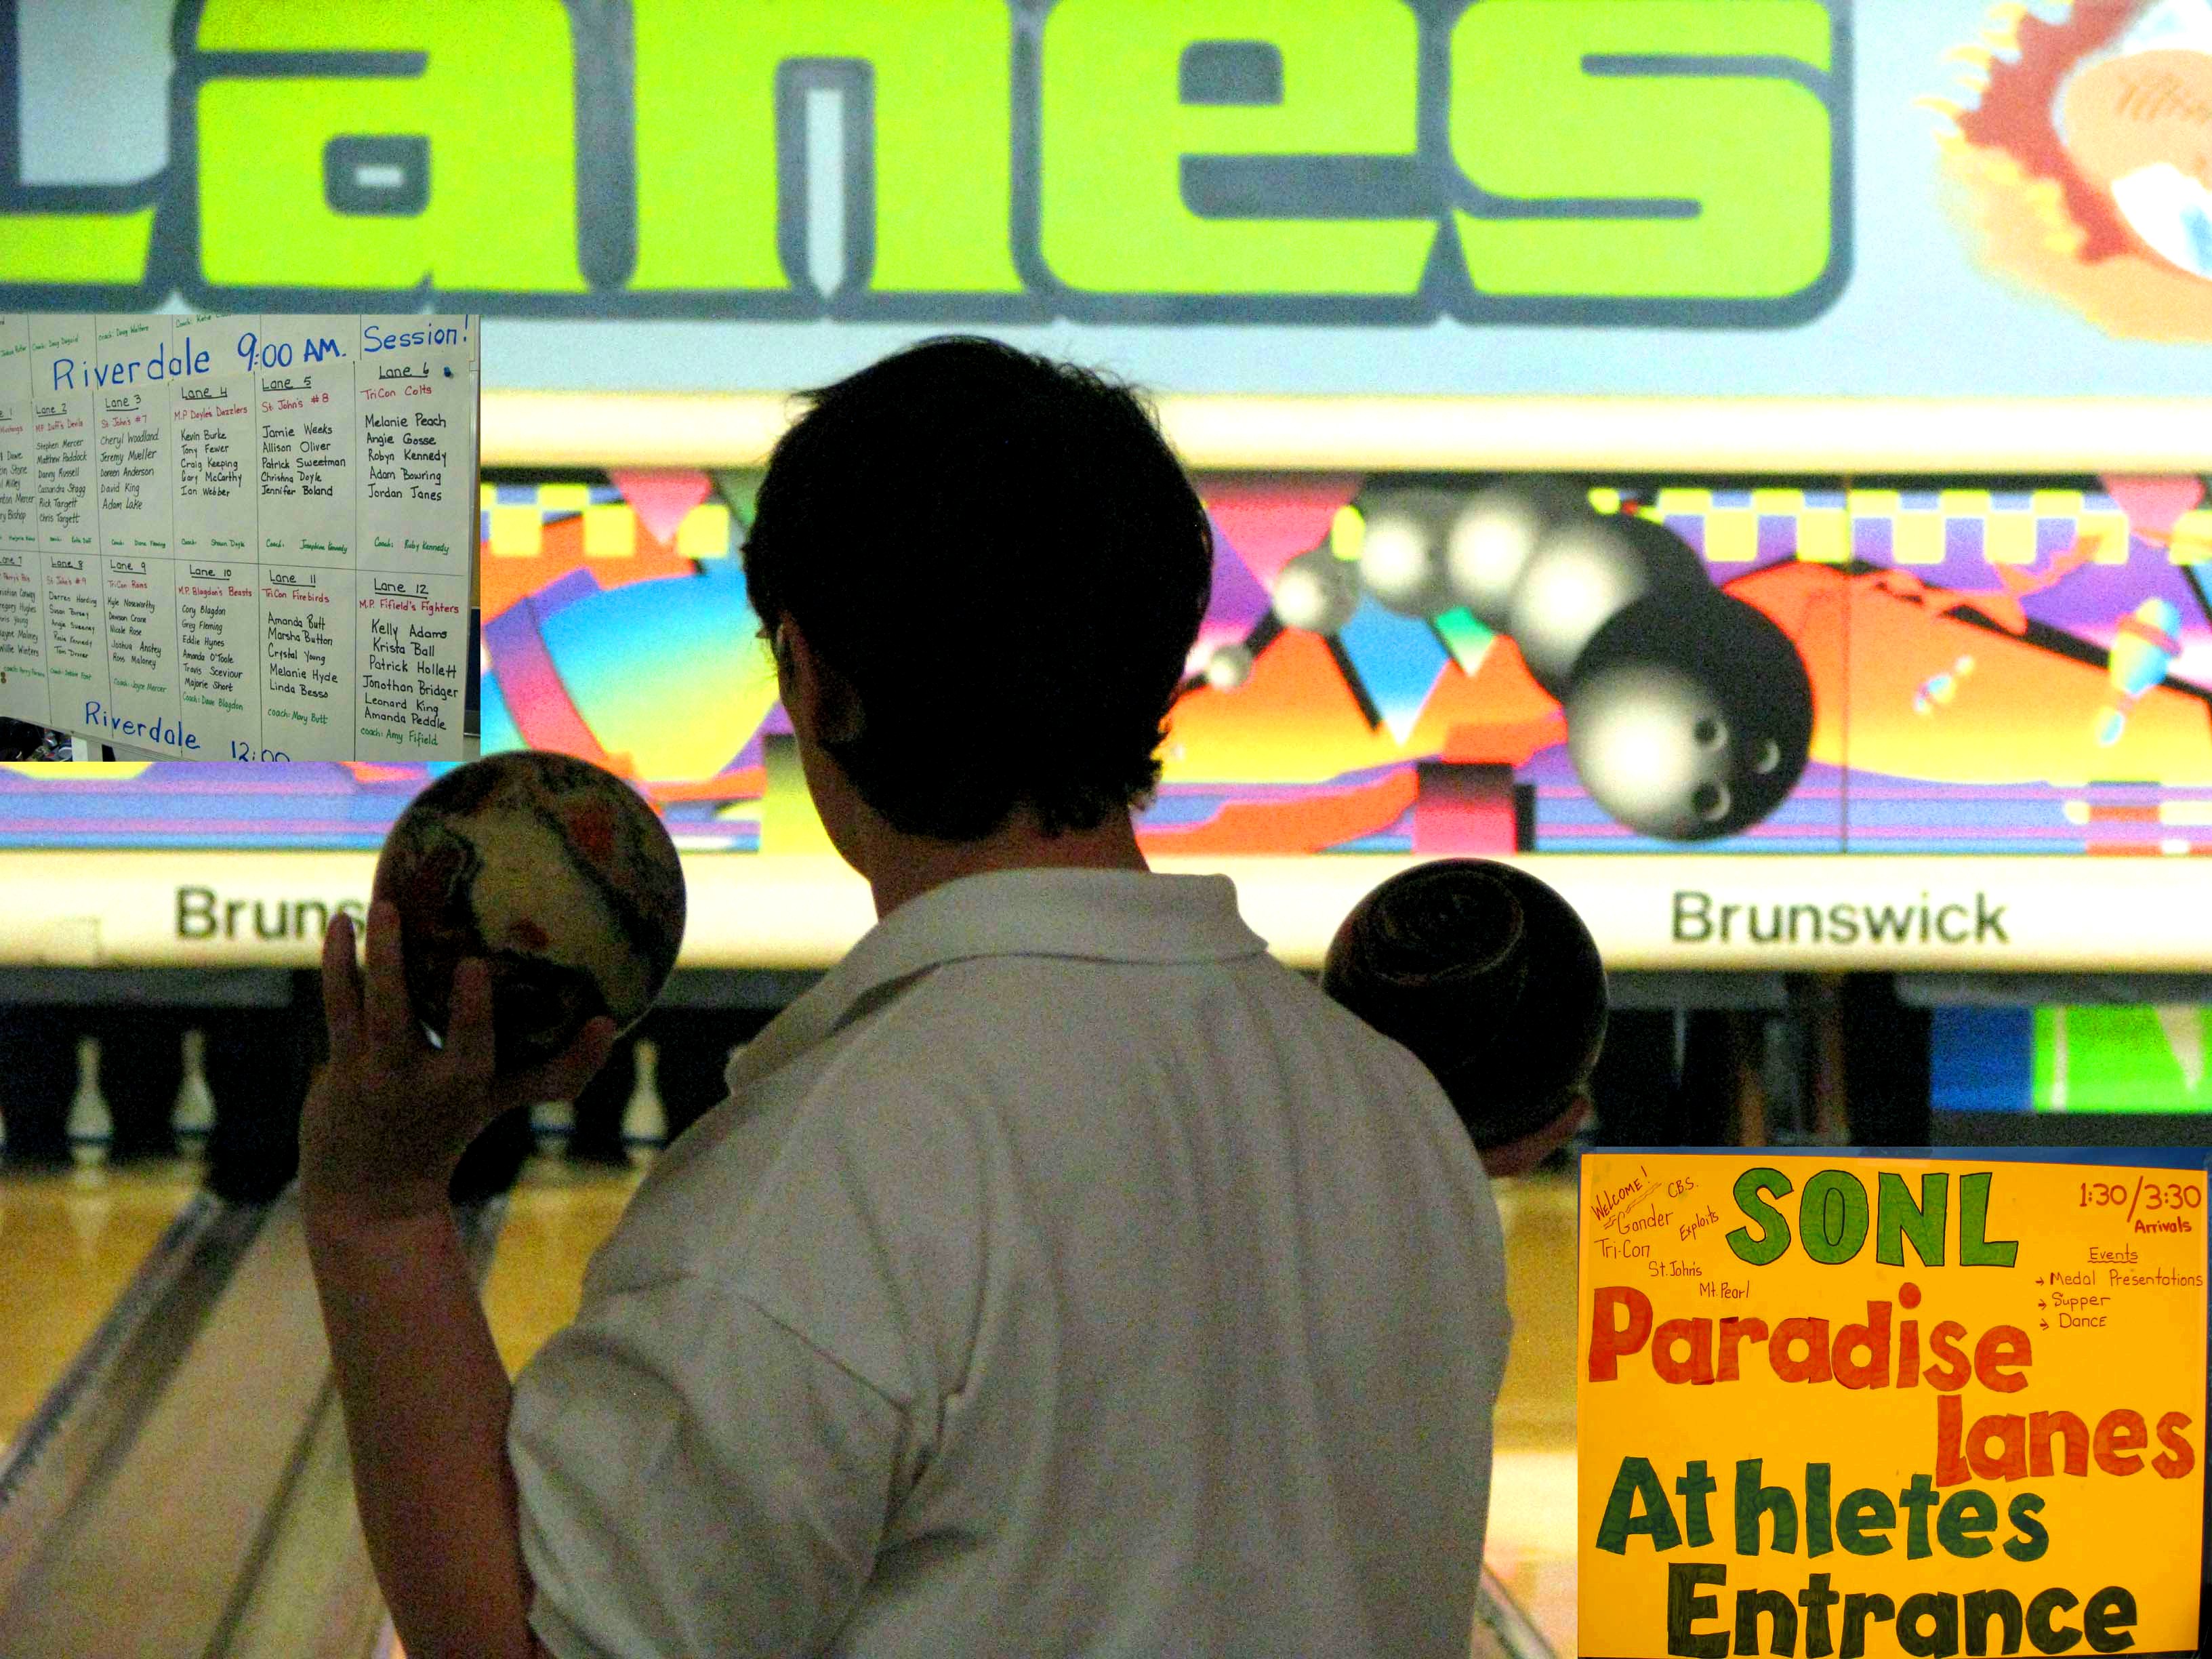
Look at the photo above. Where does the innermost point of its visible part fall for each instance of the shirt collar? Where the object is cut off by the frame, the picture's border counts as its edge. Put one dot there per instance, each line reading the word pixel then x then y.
pixel 1095 915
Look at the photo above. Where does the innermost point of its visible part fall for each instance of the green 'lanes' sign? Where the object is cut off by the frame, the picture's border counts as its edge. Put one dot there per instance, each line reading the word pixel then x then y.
pixel 1648 162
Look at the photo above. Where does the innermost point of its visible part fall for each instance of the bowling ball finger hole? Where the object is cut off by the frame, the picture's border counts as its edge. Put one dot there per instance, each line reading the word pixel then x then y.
pixel 548 1002
pixel 1766 757
pixel 1710 801
pixel 1710 733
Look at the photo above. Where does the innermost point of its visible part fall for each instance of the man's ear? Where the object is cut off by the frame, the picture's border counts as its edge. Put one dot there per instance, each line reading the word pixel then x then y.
pixel 819 701
pixel 788 690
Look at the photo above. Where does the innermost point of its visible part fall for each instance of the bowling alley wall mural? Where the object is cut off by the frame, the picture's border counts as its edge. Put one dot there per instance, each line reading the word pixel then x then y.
pixel 2076 143
pixel 1434 664
pixel 1388 666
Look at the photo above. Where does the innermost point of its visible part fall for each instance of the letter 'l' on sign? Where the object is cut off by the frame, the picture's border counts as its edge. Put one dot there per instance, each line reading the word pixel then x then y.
pixel 266 218
pixel 713 92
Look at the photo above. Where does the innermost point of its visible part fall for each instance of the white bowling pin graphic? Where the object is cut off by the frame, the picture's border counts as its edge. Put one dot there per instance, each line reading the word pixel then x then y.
pixel 2183 1027
pixel 2144 648
pixel 1937 689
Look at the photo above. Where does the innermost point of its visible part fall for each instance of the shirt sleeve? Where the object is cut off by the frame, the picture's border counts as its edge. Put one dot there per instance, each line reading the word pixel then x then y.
pixel 696 1478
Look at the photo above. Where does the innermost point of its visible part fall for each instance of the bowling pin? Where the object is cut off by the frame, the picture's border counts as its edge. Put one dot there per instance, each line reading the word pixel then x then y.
pixel 645 1119
pixel 91 1125
pixel 1507 1196
pixel 552 1121
pixel 193 1115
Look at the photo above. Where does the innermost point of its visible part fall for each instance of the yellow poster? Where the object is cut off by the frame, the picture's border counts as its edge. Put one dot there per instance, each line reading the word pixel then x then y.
pixel 1840 1406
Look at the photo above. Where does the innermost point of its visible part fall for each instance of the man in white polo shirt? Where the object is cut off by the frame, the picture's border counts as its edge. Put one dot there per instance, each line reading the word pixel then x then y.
pixel 1063 1275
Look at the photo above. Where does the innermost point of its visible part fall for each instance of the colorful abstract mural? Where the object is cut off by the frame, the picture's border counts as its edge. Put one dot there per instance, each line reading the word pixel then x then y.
pixel 2021 668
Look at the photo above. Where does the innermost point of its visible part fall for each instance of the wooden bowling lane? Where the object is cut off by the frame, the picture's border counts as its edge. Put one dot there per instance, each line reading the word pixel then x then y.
pixel 197 1406
pixel 227 1334
pixel 1532 1489
pixel 71 1239
pixel 1503 1628
pixel 558 1214
pixel 187 1491
pixel 134 1478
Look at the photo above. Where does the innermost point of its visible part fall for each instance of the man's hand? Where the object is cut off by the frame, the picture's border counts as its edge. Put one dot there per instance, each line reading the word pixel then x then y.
pixel 391 1115
pixel 425 1395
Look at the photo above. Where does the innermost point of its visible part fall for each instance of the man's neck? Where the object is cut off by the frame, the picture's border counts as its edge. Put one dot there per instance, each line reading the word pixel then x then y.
pixel 904 867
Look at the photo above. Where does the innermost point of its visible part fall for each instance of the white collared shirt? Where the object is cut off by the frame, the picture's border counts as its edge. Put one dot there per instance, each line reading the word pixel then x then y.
pixel 1063 1276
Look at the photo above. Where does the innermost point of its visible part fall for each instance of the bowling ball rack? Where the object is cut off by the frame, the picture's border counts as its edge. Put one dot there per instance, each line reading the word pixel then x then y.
pixel 184 1488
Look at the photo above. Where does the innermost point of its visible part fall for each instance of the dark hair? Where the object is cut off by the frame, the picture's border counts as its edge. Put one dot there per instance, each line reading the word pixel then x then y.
pixel 1001 558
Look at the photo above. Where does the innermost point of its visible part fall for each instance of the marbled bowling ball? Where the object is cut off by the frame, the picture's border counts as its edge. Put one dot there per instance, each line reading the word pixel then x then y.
pixel 555 872
pixel 1690 719
pixel 1489 978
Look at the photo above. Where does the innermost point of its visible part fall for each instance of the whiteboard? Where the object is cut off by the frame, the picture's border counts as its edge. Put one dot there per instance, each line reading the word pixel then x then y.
pixel 239 538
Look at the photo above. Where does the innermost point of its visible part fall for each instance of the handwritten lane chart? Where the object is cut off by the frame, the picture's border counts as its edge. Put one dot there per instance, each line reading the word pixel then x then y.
pixel 239 538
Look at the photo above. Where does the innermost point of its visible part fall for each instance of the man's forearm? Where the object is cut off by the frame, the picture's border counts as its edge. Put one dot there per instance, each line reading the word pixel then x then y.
pixel 427 1401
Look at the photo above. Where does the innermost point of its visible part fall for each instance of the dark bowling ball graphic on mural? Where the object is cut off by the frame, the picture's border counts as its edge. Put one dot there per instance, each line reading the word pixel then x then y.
pixel 1689 722
pixel 1689 714
pixel 554 870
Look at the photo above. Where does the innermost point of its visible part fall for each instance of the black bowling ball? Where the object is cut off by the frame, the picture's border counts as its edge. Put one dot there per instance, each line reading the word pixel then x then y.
pixel 1490 978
